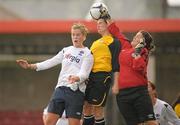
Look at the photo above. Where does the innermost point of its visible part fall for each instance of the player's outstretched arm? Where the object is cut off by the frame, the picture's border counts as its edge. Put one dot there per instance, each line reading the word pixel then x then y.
pixel 24 64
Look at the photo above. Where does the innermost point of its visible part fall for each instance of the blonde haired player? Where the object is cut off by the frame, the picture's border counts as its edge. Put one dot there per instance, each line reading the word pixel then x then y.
pixel 76 63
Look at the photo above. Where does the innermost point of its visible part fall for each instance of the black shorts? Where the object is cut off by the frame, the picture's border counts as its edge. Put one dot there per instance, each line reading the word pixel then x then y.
pixel 66 99
pixel 135 105
pixel 98 88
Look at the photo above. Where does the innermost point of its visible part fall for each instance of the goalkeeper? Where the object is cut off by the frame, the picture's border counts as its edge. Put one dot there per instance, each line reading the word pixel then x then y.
pixel 132 95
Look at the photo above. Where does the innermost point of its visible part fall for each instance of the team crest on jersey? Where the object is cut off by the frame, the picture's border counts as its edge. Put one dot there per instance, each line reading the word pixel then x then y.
pixel 72 58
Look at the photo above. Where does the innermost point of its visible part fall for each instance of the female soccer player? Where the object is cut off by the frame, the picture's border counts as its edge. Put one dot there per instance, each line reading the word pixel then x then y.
pixel 105 52
pixel 132 95
pixel 164 113
pixel 76 63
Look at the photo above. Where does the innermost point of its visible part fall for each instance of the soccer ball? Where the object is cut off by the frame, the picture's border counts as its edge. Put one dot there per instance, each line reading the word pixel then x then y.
pixel 98 10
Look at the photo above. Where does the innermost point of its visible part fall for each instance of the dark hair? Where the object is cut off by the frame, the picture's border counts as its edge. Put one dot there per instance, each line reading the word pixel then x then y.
pixel 148 39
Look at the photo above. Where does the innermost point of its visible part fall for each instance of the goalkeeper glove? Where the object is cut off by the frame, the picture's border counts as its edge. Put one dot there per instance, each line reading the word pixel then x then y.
pixel 106 17
pixel 139 47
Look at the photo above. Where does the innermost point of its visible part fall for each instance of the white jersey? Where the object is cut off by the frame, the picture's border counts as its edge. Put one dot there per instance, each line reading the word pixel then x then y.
pixel 165 114
pixel 75 61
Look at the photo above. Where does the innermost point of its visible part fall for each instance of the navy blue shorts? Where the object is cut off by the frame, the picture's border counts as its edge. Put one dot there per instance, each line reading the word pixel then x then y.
pixel 66 99
pixel 135 105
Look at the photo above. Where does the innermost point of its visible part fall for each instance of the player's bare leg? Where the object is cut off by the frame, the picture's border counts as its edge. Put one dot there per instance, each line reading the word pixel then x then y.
pixel 99 112
pixel 51 119
pixel 73 121
pixel 88 114
pixel 88 109
pixel 99 115
pixel 44 118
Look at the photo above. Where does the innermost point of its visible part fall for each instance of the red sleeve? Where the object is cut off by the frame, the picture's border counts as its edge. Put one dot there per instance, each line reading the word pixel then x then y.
pixel 141 62
pixel 114 30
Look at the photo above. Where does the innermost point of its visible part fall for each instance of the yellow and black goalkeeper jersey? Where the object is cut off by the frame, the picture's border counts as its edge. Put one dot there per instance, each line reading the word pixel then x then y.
pixel 105 51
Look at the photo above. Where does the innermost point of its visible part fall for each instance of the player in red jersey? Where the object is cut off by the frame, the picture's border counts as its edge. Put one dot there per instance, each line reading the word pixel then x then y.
pixel 132 95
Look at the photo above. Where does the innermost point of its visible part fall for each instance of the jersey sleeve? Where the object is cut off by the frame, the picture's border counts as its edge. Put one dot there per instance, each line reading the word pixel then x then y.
pixel 115 50
pixel 57 59
pixel 86 67
pixel 170 115
pixel 114 30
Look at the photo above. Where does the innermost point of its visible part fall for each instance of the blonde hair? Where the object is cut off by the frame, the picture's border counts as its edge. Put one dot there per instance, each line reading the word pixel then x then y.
pixel 81 27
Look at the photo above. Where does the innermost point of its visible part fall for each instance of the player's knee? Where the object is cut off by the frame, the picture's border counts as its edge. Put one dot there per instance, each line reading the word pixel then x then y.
pixel 99 112
pixel 44 118
pixel 88 109
pixel 50 121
